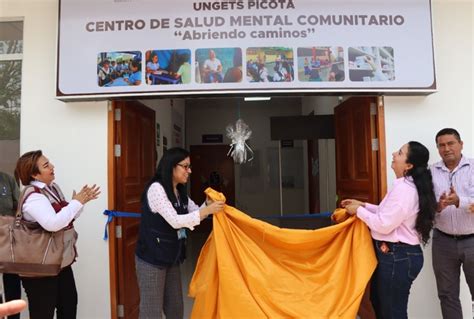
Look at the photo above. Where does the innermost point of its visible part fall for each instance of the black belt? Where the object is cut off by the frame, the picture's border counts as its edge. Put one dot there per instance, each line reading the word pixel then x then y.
pixel 457 237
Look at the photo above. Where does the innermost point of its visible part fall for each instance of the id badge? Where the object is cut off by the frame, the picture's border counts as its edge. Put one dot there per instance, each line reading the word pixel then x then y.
pixel 182 233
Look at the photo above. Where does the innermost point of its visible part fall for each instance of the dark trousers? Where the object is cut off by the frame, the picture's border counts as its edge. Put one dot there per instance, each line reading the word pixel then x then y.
pixel 45 294
pixel 393 277
pixel 12 289
pixel 449 255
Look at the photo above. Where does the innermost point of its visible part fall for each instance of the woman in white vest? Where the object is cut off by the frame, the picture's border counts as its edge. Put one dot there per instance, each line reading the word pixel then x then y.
pixel 44 203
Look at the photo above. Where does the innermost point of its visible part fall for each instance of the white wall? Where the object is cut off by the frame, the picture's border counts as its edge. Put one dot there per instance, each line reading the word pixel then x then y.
pixel 420 118
pixel 74 137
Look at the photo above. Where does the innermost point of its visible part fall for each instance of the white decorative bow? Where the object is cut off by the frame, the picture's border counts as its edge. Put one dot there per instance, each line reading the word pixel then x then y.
pixel 238 147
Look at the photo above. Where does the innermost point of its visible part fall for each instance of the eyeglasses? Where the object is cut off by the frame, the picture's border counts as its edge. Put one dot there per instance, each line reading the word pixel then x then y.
pixel 185 166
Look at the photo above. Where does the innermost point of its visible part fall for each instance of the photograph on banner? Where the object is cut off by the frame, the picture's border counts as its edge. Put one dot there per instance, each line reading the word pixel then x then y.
pixel 168 66
pixel 371 64
pixel 218 65
pixel 120 68
pixel 270 64
pixel 321 64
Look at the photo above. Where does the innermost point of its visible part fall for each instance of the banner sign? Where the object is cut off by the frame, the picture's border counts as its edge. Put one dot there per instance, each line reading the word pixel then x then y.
pixel 151 47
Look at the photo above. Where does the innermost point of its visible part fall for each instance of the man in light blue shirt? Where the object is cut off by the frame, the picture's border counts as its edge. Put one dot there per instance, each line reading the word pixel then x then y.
pixel 453 237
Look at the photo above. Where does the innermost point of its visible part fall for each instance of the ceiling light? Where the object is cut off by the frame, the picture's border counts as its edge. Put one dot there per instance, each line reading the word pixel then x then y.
pixel 256 98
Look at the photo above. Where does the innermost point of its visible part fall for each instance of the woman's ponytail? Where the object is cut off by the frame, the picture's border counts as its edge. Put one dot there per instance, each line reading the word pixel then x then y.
pixel 418 156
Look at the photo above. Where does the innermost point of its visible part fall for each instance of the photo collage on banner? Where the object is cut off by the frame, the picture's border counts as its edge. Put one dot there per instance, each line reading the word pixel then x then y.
pixel 218 65
pixel 321 64
pixel 371 64
pixel 123 48
pixel 271 64
pixel 168 67
pixel 262 64
pixel 121 68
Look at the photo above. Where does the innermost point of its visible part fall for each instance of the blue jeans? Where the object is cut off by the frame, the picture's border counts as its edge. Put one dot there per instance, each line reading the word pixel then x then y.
pixel 393 277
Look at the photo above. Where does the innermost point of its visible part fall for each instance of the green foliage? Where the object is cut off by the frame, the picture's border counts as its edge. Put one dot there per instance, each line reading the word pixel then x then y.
pixel 10 84
pixel 10 93
pixel 9 125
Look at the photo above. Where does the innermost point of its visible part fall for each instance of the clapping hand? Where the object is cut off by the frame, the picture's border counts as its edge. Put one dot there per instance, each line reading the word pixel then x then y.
pixel 446 200
pixel 86 194
pixel 452 198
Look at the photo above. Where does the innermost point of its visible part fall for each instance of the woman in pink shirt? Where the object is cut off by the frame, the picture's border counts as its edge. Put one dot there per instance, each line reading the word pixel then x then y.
pixel 398 225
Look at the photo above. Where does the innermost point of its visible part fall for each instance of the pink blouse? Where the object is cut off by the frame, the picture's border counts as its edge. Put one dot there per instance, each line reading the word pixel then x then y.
pixel 395 218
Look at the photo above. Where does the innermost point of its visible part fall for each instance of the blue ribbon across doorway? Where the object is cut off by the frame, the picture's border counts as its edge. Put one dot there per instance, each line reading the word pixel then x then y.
pixel 110 216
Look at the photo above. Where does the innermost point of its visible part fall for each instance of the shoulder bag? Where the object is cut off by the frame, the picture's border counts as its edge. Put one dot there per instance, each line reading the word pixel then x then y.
pixel 26 248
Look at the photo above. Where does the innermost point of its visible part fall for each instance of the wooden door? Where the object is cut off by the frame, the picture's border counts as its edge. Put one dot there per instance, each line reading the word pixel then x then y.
pixel 212 168
pixel 360 159
pixel 135 133
pixel 356 149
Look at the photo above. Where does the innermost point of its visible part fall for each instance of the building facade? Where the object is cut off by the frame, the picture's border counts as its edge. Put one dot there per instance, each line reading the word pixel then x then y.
pixel 74 135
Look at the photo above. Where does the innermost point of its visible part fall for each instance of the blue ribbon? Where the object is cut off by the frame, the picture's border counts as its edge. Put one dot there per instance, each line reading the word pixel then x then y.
pixel 112 213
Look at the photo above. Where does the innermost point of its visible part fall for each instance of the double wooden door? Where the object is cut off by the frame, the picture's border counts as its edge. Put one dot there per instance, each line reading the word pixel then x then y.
pixel 360 173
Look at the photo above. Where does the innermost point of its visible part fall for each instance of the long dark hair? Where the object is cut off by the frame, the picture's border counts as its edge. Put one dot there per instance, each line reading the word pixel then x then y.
pixel 164 175
pixel 418 156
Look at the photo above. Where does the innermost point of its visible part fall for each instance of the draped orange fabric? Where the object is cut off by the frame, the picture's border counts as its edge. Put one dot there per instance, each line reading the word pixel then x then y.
pixel 252 269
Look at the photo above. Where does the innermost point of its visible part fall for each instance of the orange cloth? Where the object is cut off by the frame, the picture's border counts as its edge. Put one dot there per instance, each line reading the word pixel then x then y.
pixel 251 269
pixel 340 215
